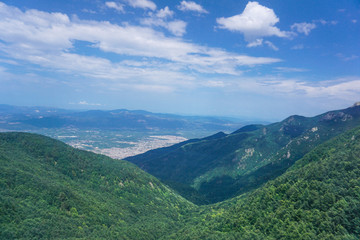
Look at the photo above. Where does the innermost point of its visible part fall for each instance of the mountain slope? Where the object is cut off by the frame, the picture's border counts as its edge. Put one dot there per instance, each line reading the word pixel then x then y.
pixel 49 190
pixel 317 198
pixel 225 167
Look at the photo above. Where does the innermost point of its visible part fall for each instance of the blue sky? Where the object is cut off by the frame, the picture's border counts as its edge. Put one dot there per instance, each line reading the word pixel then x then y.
pixel 259 59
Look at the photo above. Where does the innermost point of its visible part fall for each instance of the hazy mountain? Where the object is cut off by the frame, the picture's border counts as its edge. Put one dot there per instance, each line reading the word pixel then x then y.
pixel 211 170
pixel 21 118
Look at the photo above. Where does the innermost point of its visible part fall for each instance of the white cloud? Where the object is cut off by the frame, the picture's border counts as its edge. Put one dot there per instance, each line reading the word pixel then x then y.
pixel 88 11
pixel 176 27
pixel 290 69
pixel 48 41
pixel 39 34
pixel 298 47
pixel 142 4
pixel 347 58
pixel 89 104
pixel 255 43
pixel 259 42
pixel 342 89
pixel 117 6
pixel 164 13
pixel 215 84
pixel 304 27
pixel 191 6
pixel 8 61
pixel 324 22
pixel 255 22
pixel 271 45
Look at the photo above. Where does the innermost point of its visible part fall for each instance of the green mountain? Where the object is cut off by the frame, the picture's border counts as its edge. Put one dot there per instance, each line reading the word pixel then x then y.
pixel 317 198
pixel 49 190
pixel 215 169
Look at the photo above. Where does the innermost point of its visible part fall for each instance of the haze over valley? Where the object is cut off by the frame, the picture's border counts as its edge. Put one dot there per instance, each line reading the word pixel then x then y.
pixel 115 133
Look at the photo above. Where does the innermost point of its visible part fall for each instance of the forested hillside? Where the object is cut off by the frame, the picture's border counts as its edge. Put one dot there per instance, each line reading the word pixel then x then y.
pixel 317 198
pixel 49 190
pixel 215 169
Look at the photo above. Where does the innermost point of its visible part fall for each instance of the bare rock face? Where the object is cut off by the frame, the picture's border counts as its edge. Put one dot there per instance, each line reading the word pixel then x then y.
pixel 356 104
pixel 336 116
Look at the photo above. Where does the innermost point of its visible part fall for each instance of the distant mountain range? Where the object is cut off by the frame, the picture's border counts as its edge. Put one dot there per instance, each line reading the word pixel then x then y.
pixel 20 118
pixel 213 169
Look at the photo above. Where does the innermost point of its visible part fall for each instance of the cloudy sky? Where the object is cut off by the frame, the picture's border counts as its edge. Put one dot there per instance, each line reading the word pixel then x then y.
pixel 258 59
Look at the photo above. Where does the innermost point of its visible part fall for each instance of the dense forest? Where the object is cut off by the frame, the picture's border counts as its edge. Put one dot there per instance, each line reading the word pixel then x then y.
pixel 317 198
pixel 50 190
pixel 223 166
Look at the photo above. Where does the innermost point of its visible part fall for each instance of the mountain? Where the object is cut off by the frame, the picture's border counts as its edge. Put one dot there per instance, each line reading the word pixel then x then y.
pixel 25 118
pixel 49 190
pixel 212 170
pixel 317 198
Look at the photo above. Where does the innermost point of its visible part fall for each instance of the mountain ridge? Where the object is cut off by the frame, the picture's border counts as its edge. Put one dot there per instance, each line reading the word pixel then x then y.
pixel 241 161
pixel 51 190
pixel 317 198
pixel 21 118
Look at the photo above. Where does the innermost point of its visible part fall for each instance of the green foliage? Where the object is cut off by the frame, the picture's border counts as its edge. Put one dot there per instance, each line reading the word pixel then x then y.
pixel 49 190
pixel 318 198
pixel 215 169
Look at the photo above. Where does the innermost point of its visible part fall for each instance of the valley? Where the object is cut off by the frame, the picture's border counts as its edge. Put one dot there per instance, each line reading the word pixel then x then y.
pixel 179 120
pixel 117 144
pixel 115 133
pixel 49 190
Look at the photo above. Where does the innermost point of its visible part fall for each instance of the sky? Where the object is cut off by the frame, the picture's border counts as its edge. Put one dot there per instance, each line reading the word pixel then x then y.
pixel 254 59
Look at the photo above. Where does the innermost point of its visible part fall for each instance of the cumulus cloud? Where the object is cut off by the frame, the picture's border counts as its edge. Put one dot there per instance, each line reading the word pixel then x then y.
pixel 255 22
pixel 152 60
pixel 142 4
pixel 191 6
pixel 160 19
pixel 176 27
pixel 255 43
pixel 164 13
pixel 304 27
pixel 117 6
